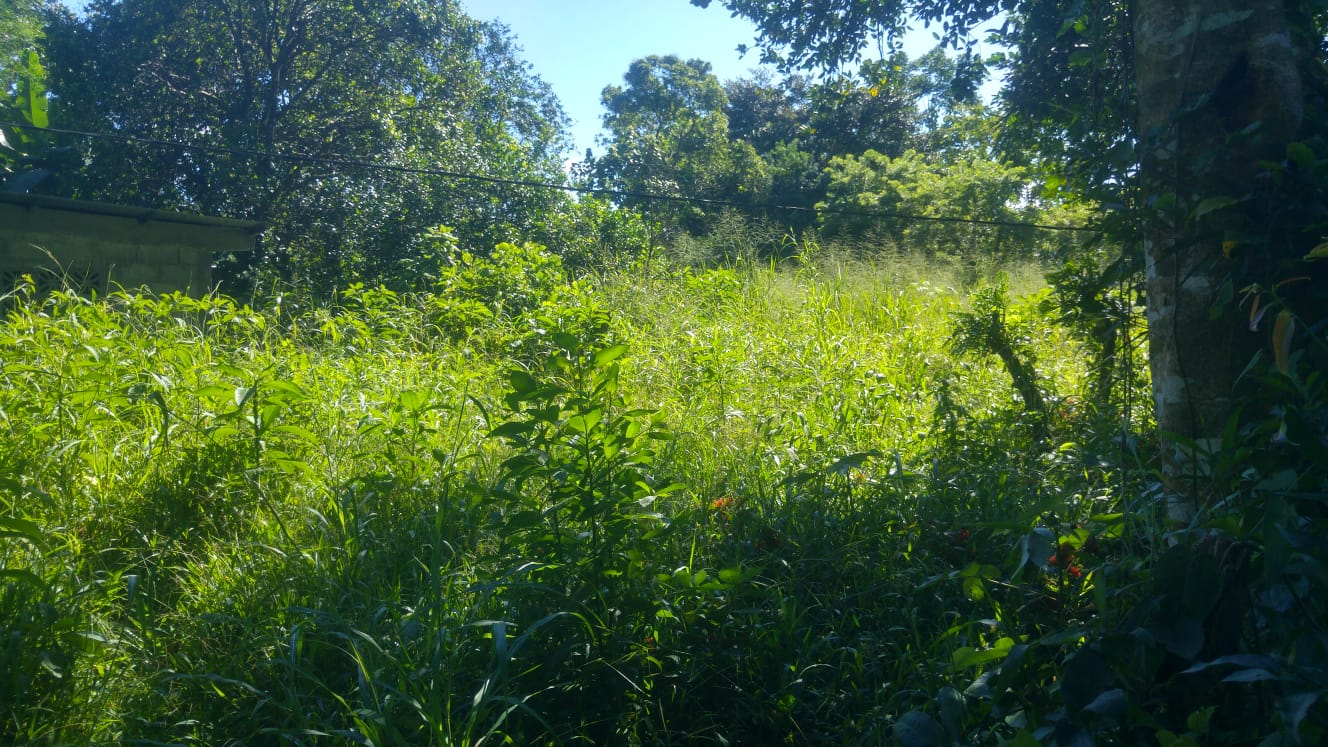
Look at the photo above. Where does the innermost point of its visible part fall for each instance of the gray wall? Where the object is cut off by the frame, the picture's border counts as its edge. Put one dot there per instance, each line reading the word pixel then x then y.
pixel 108 251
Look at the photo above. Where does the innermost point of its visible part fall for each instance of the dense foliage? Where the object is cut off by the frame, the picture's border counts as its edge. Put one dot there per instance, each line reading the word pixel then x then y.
pixel 535 509
pixel 23 97
pixel 592 510
pixel 669 136
pixel 399 96
pixel 451 486
pixel 1199 127
pixel 775 150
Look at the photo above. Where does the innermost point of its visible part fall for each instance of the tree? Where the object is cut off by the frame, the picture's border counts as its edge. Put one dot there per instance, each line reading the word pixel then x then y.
pixel 20 29
pixel 669 135
pixel 798 126
pixel 766 112
pixel 1205 139
pixel 411 84
pixel 1221 93
pixel 22 91
pixel 914 184
pixel 873 109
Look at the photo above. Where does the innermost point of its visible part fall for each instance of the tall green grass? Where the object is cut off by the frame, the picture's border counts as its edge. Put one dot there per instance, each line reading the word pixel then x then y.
pixel 372 523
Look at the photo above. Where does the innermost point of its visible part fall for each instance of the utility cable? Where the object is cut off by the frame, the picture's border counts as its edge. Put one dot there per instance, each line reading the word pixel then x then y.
pixel 504 181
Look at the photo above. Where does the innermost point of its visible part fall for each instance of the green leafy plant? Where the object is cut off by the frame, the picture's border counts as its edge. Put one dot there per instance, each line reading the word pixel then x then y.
pixel 990 328
pixel 512 282
pixel 581 481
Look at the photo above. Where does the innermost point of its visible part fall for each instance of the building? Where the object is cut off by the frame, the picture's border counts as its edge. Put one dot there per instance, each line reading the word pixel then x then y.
pixel 102 246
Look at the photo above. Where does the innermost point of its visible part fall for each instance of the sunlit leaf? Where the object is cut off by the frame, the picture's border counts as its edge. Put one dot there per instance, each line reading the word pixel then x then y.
pixel 36 93
pixel 967 657
pixel 610 354
pixel 1283 330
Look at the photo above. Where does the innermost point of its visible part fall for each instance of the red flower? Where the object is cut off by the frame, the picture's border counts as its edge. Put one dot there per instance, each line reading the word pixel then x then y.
pixel 1064 556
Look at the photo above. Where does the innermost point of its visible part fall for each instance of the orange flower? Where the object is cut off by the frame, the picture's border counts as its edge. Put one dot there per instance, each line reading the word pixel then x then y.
pixel 722 504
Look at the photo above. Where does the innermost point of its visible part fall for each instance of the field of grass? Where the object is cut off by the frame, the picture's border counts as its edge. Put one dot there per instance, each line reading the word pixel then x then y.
pixel 662 505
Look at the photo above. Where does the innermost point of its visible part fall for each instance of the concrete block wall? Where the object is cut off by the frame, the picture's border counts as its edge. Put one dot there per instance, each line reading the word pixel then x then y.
pixel 106 252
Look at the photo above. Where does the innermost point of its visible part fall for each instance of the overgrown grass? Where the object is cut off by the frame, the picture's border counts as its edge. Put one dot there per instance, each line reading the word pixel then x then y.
pixel 740 505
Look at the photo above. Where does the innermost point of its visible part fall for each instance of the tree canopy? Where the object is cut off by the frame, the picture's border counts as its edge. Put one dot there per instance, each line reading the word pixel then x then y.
pixel 669 135
pixel 674 130
pixel 275 106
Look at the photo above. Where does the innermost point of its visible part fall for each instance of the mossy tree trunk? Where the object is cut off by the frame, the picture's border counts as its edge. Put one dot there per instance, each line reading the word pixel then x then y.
pixel 1219 89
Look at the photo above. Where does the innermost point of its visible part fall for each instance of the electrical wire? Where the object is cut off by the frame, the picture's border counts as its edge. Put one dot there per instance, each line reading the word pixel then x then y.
pixel 503 181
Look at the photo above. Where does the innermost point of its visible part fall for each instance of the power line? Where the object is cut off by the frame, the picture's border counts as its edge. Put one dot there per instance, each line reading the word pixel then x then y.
pixel 599 192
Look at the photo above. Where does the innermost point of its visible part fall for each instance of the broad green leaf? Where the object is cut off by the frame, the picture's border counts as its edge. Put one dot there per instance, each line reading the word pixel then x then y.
pixel 1318 252
pixel 523 520
pixel 1182 636
pixel 1300 154
pixel 968 657
pixel 1111 703
pixel 37 100
pixel 733 576
pixel 918 729
pixel 412 400
pixel 1197 722
pixel 293 466
pixel 585 422
pixel 1084 678
pixel 1250 675
pixel 1036 547
pixel 610 354
pixel 303 434
pixel 846 464
pixel 289 389
pixel 1215 21
pixel 1212 205
pixel 522 382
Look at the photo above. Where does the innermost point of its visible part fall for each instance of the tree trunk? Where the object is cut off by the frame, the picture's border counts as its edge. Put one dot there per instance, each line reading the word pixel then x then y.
pixel 1219 88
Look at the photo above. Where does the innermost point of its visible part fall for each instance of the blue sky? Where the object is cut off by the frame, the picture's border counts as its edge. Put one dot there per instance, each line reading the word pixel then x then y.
pixel 580 46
